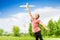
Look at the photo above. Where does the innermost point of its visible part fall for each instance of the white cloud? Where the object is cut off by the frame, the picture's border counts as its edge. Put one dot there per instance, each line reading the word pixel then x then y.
pixel 19 19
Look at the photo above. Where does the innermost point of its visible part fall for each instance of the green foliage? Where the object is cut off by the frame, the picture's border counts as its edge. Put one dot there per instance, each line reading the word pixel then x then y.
pixel 30 29
pixel 16 30
pixel 58 28
pixel 54 28
pixel 51 27
pixel 59 21
pixel 1 32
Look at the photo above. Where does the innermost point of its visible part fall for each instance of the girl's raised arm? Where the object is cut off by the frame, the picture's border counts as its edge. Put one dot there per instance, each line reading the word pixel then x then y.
pixel 29 12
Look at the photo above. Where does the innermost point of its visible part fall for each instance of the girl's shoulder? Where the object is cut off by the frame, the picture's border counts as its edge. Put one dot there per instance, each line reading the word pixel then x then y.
pixel 37 20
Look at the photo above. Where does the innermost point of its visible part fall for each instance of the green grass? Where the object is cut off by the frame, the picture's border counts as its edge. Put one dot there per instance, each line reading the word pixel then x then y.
pixel 24 38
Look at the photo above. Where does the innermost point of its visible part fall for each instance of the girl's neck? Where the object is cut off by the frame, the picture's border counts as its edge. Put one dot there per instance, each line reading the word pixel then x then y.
pixel 35 19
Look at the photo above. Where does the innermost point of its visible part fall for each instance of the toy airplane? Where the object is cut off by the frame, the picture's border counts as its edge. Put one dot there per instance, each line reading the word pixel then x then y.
pixel 27 4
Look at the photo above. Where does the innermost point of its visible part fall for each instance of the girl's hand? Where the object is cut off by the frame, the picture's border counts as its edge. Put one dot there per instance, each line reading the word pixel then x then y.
pixel 48 29
pixel 27 6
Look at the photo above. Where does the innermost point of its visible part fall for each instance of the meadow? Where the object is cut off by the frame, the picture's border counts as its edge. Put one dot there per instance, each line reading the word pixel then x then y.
pixel 24 38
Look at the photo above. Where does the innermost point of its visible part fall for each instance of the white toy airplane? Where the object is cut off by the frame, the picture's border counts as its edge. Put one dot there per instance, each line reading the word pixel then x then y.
pixel 27 4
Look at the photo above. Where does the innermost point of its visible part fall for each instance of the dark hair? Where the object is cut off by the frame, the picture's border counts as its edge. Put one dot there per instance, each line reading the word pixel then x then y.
pixel 38 16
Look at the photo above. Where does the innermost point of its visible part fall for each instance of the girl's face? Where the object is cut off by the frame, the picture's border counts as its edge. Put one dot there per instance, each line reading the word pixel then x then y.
pixel 36 16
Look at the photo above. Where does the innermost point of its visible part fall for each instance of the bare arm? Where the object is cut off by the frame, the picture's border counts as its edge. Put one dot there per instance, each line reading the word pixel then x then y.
pixel 29 12
pixel 44 26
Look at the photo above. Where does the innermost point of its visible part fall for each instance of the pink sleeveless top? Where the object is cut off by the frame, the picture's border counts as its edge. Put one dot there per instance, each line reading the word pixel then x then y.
pixel 35 27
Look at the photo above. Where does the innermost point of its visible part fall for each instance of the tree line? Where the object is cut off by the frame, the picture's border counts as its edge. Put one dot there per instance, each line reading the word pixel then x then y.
pixel 54 27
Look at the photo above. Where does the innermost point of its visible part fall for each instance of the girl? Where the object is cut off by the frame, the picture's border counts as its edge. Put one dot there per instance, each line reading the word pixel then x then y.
pixel 35 22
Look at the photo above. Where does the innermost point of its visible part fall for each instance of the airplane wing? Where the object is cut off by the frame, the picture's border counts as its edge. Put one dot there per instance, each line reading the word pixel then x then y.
pixel 22 5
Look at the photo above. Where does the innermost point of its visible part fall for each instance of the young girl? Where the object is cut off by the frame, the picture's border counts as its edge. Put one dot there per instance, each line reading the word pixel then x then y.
pixel 35 22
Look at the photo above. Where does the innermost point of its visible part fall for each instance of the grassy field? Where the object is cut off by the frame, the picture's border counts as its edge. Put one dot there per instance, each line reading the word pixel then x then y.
pixel 24 38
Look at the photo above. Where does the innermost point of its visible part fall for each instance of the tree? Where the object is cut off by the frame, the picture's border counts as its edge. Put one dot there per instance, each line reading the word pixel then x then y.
pixel 1 32
pixel 16 30
pixel 58 28
pixel 51 27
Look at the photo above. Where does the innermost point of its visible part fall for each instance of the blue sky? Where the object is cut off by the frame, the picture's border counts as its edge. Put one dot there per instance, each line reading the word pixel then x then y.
pixel 10 7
